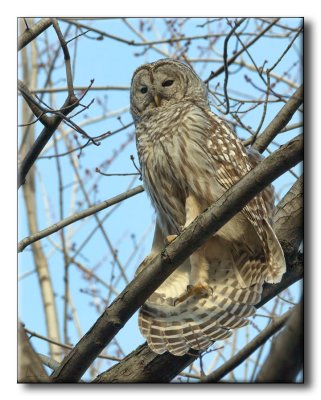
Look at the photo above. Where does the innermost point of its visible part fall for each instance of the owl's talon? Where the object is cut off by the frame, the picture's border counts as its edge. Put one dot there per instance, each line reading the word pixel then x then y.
pixel 199 290
pixel 170 238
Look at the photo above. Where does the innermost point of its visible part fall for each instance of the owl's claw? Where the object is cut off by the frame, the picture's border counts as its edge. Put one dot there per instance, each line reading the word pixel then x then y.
pixel 170 238
pixel 199 290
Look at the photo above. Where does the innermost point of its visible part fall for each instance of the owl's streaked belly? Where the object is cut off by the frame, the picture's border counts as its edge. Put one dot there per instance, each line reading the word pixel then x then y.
pixel 174 163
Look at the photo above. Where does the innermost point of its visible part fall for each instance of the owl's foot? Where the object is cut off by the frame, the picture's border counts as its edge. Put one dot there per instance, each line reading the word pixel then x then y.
pixel 199 290
pixel 170 238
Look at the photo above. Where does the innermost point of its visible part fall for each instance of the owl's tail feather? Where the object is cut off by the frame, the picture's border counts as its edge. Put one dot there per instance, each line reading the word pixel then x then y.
pixel 197 322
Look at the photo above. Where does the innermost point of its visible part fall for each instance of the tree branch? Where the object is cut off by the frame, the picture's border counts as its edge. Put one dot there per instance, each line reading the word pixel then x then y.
pixel 78 88
pixel 251 347
pixel 76 217
pixel 65 50
pixel 163 264
pixel 214 74
pixel 30 34
pixel 280 121
pixel 286 356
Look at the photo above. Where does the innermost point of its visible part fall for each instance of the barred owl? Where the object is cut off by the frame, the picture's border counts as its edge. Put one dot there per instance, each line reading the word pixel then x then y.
pixel 189 157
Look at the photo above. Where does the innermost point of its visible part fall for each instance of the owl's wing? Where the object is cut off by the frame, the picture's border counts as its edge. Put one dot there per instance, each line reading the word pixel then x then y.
pixel 231 163
pixel 268 194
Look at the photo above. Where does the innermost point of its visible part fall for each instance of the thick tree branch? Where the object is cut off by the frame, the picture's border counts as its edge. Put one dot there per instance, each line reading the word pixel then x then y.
pixel 35 107
pixel 163 264
pixel 30 34
pixel 50 124
pixel 41 142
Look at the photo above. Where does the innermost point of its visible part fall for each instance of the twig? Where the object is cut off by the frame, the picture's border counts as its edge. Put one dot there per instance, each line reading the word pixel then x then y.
pixel 287 49
pixel 123 174
pixel 138 169
pixel 139 44
pixel 65 346
pixel 76 217
pixel 78 88
pixel 236 25
pixel 234 57
pixel 280 121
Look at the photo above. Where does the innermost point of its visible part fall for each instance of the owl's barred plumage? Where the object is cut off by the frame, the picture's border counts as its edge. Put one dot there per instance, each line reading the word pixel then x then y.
pixel 189 157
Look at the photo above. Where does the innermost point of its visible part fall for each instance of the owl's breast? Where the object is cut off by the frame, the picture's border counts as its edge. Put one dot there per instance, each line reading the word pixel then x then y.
pixel 172 151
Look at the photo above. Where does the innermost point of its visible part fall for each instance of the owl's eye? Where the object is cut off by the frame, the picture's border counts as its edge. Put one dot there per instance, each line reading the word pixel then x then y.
pixel 143 89
pixel 167 83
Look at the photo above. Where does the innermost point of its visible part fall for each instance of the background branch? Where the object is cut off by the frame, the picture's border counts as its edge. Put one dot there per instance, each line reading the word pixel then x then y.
pixel 78 216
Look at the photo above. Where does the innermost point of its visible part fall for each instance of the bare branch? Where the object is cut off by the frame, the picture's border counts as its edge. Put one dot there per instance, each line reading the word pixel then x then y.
pixel 78 88
pixel 236 25
pixel 66 57
pixel 76 217
pixel 234 57
pixel 65 346
pixel 32 32
pixel 280 121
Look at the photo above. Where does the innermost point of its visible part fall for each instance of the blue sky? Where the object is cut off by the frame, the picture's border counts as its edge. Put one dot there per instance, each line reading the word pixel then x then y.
pixel 111 62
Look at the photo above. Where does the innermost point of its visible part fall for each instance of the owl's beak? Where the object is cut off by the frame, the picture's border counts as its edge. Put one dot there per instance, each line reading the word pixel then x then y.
pixel 157 100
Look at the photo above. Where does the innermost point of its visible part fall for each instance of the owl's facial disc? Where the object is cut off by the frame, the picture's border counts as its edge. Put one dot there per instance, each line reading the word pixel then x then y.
pixel 159 85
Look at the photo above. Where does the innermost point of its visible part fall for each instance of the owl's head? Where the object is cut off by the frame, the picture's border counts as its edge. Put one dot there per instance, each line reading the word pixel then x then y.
pixel 163 83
